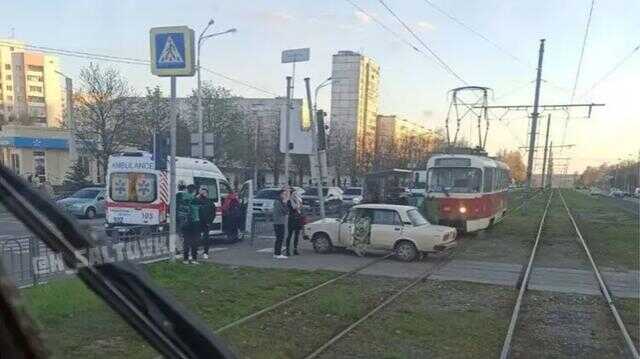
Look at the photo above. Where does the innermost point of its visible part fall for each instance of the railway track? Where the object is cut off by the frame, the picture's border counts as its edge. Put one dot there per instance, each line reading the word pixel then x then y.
pixel 507 344
pixel 441 262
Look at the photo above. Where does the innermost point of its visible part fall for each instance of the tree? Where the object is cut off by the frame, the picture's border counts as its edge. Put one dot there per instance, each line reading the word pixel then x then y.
pixel 228 123
pixel 513 159
pixel 341 151
pixel 77 176
pixel 152 115
pixel 102 114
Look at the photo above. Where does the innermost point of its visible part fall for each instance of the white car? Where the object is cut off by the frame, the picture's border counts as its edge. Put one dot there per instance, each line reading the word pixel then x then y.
pixel 352 195
pixel 265 198
pixel 393 227
pixel 332 199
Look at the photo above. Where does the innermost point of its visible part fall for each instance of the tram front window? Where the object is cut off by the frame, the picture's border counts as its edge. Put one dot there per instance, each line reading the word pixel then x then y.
pixel 456 180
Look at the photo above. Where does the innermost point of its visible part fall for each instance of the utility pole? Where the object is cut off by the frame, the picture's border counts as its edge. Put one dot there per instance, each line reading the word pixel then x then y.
pixel 173 187
pixel 287 140
pixel 255 149
pixel 534 116
pixel 550 171
pixel 315 141
pixel 544 156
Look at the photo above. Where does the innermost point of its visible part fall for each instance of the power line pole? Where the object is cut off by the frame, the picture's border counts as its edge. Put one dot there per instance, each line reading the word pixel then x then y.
pixel 544 155
pixel 287 140
pixel 534 116
pixel 550 171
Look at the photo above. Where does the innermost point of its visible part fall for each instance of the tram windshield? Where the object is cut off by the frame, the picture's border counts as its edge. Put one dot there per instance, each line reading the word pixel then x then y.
pixel 456 180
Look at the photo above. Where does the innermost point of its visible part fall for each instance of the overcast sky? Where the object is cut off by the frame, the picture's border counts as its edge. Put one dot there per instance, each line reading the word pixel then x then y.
pixel 412 85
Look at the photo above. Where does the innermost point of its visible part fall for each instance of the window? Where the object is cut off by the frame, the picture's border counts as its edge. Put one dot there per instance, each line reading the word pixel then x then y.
pixel 35 68
pixel 210 184
pixel 35 89
pixel 386 217
pixel 86 193
pixel 8 77
pixel 15 162
pixel 489 173
pixel 34 78
pixel 132 187
pixel 9 98
pixel 9 88
pixel 36 99
pixel 7 67
pixel 416 218
pixel 268 194
pixel 457 180
pixel 39 164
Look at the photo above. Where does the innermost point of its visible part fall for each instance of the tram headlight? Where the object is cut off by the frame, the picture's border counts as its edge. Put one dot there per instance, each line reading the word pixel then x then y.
pixel 463 209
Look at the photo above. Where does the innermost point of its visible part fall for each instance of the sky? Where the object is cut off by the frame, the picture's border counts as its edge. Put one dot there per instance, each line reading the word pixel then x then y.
pixel 413 85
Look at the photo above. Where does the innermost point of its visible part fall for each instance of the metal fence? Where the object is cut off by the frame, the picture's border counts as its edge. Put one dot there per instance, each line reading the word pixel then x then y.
pixel 27 261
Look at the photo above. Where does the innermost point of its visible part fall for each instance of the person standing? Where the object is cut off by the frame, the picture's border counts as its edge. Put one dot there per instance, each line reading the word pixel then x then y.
pixel 189 216
pixel 207 212
pixel 295 222
pixel 279 214
pixel 231 216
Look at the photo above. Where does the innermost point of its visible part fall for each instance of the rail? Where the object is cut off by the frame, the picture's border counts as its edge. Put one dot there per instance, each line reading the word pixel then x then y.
pixel 506 347
pixel 603 287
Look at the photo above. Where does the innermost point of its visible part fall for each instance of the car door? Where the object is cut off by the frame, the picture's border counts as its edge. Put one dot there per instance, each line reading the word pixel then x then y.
pixel 346 229
pixel 100 203
pixel 386 228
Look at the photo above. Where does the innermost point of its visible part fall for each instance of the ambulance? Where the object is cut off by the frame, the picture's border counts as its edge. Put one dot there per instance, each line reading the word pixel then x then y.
pixel 138 199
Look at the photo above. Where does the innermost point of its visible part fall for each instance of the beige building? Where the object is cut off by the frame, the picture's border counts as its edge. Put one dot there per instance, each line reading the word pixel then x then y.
pixel 29 85
pixel 354 102
pixel 402 142
pixel 42 152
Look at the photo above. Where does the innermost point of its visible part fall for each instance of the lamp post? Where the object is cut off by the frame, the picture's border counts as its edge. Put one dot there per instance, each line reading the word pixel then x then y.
pixel 73 153
pixel 201 38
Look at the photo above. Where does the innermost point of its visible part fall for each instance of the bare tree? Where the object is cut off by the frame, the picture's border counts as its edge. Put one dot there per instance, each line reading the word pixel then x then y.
pixel 102 115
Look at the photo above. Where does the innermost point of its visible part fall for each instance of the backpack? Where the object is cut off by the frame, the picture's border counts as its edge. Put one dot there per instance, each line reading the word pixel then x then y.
pixel 187 212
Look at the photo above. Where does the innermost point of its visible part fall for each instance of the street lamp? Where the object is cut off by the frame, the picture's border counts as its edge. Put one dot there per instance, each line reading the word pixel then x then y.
pixel 201 38
pixel 73 153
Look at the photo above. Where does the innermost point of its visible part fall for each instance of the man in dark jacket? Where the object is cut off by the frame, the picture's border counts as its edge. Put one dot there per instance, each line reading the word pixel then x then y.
pixel 207 215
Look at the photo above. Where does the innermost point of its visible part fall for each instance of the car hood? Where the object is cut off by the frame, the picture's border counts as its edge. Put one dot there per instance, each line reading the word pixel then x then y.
pixel 70 200
pixel 324 221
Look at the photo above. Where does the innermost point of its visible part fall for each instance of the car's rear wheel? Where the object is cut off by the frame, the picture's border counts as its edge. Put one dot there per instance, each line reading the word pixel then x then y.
pixel 90 213
pixel 406 251
pixel 322 243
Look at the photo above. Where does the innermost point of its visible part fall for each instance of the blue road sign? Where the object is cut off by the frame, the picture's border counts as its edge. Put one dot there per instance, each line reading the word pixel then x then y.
pixel 172 52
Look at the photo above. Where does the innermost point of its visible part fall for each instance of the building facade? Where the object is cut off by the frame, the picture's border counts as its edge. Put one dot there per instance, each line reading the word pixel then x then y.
pixel 40 152
pixel 402 143
pixel 30 87
pixel 354 103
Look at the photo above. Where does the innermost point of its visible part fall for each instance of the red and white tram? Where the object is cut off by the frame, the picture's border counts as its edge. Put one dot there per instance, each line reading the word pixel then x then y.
pixel 469 190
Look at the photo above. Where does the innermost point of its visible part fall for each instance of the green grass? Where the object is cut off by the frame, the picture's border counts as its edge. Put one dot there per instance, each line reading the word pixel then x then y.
pixel 75 323
pixel 435 320
pixel 613 236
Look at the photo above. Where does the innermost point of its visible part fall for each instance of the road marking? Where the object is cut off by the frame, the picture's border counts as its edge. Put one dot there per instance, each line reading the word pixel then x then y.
pixel 265 250
pixel 267 237
pixel 217 249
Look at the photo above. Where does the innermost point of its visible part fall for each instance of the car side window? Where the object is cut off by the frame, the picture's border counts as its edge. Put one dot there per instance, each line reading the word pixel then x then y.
pixel 385 217
pixel 225 189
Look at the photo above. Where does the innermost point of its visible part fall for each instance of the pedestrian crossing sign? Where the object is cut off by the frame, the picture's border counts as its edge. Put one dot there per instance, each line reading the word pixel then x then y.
pixel 172 51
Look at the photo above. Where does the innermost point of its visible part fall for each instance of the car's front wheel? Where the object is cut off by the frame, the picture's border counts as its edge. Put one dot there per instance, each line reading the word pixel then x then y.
pixel 322 243
pixel 90 213
pixel 406 251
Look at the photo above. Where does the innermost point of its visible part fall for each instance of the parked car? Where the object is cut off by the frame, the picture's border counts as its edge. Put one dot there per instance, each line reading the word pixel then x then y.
pixel 402 229
pixel 617 193
pixel 87 202
pixel 332 199
pixel 352 196
pixel 264 199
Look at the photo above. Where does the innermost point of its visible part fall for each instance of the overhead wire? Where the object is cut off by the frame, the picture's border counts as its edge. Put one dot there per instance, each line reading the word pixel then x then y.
pixel 125 60
pixel 584 45
pixel 477 33
pixel 440 61
pixel 613 69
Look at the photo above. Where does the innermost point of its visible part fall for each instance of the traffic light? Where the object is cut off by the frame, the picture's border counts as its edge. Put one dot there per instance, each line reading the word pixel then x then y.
pixel 160 151
pixel 322 139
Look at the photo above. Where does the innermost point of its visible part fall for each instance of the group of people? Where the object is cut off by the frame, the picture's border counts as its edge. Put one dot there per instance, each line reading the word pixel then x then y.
pixel 287 209
pixel 196 213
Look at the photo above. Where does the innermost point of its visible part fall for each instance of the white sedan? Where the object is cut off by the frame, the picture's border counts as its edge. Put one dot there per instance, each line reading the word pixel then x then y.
pixel 393 227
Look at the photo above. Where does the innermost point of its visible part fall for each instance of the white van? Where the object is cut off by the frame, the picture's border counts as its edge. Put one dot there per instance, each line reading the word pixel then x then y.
pixel 138 194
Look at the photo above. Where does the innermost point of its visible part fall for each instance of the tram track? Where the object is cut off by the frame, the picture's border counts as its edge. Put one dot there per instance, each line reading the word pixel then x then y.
pixel 524 283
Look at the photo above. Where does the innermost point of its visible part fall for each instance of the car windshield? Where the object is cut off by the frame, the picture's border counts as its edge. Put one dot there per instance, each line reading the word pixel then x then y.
pixel 416 218
pixel 86 193
pixel 455 180
pixel 268 194
pixel 353 191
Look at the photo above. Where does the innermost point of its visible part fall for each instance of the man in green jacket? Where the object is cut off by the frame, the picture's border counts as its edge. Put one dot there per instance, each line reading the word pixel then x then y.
pixel 189 221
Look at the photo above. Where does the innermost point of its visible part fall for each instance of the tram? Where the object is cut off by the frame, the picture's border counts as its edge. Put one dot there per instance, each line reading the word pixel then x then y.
pixel 466 191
